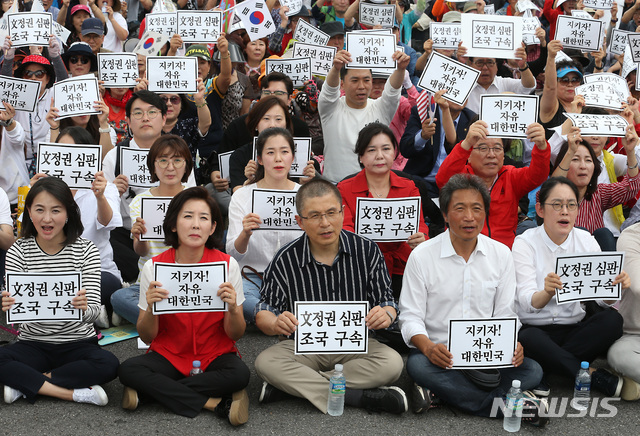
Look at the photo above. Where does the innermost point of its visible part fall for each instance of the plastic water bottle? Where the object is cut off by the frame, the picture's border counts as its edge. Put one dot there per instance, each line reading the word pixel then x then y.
pixel 513 408
pixel 195 368
pixel 337 385
pixel 104 8
pixel 582 388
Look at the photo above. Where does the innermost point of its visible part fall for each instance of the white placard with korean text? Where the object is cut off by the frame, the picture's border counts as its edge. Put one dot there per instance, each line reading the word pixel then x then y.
pixel 387 219
pixel 619 84
pixel 165 23
pixel 331 327
pixel 634 43
pixel 76 164
pixel 43 297
pixel 373 15
pixel 133 165
pixel 589 276
pixel 293 5
pixel 223 164
pixel 298 69
pixel 442 72
pixel 22 94
pixel 493 36
pixel 445 35
pixel 600 94
pixel 61 32
pixel 310 34
pixel 29 28
pixel 618 41
pixel 173 74
pixel 118 70
pixel 508 115
pixel 193 288
pixel 276 209
pixel 153 211
pixel 371 50
pixel 599 125
pixel 302 156
pixel 483 343
pixel 321 56
pixel 489 9
pixel 76 96
pixel 604 5
pixel 199 26
pixel 579 33
pixel 529 26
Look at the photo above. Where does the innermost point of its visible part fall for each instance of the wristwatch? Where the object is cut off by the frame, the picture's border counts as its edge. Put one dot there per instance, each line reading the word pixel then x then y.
pixel 6 123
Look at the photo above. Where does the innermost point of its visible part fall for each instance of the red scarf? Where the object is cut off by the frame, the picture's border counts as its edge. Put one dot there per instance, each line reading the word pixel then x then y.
pixel 114 102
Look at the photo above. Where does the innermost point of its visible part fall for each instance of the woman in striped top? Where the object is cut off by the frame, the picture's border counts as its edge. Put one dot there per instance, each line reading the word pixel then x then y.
pixel 57 359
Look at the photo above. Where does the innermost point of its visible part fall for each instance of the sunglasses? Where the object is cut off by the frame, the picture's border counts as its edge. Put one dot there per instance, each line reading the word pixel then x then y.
pixel 38 74
pixel 81 59
pixel 173 100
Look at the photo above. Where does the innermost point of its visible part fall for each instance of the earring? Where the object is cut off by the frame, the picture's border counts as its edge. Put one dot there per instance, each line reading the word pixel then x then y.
pixel 66 221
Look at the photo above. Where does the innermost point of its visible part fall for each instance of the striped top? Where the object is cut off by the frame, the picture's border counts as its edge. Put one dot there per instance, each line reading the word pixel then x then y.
pixel 25 255
pixel 358 273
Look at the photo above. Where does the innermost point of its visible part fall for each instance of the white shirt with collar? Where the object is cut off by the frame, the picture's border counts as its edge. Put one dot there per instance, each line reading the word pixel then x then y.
pixel 499 85
pixel 534 255
pixel 440 285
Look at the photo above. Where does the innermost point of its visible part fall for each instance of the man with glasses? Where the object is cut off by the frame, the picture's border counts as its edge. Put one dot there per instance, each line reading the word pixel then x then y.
pixel 93 34
pixel 327 264
pixel 483 156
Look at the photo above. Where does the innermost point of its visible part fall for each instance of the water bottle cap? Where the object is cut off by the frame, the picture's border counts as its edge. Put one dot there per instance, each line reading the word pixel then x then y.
pixel 515 384
pixel 339 367
pixel 584 365
pixel 196 364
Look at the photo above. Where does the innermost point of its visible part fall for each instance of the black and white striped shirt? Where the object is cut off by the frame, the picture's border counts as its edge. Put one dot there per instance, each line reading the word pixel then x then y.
pixel 25 255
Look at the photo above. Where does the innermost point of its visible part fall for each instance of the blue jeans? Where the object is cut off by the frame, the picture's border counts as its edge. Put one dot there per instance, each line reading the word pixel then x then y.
pixel 251 296
pixel 125 303
pixel 454 388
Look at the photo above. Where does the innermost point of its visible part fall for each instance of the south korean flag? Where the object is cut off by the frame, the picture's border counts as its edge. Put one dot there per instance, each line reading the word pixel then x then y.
pixel 256 19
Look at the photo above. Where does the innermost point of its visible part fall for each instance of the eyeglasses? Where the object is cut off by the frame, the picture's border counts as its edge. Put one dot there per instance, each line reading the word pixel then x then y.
pixel 266 92
pixel 572 81
pixel 175 100
pixel 37 74
pixel 484 149
pixel 557 205
pixel 316 218
pixel 81 59
pixel 481 64
pixel 178 162
pixel 151 113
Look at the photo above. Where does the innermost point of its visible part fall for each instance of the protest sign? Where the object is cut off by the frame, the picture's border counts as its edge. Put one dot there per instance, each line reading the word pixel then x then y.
pixel 165 23
pixel 76 96
pixel 276 209
pixel 302 150
pixel 599 125
pixel 75 164
pixel 174 74
pixel 589 276
pixel 445 35
pixel 309 34
pixel 29 28
pixel 529 26
pixel 118 70
pixel 442 72
pixel 153 211
pixel 331 327
pixel 61 32
pixel 387 219
pixel 371 50
pixel 489 9
pixel 133 165
pixel 43 297
pixel 491 36
pixel 256 18
pixel 600 94
pixel 193 288
pixel 199 26
pixel 579 13
pixel 604 5
pixel 321 56
pixel 508 115
pixel 22 94
pixel 483 343
pixel 377 15
pixel 619 41
pixel 618 83
pixel 634 44
pixel 581 33
pixel 223 164
pixel 298 69
pixel 293 5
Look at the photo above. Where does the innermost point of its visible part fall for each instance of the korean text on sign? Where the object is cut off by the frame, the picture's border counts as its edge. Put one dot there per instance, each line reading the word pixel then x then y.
pixel 22 94
pixel 589 276
pixel 133 164
pixel 321 56
pixel 74 163
pixel 445 35
pixel 599 125
pixel 387 219
pixel 276 209
pixel 443 72
pixel 493 36
pixel 199 26
pixel 76 96
pixel 579 33
pixel 508 116
pixel 374 15
pixel 118 70
pixel 29 28
pixel 309 34
pixel 482 343
pixel 371 50
pixel 172 74
pixel 153 211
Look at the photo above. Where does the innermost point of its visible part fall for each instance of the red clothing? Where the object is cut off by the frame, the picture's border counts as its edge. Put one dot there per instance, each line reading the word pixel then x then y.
pixel 185 337
pixel 510 185
pixel 551 15
pixel 395 253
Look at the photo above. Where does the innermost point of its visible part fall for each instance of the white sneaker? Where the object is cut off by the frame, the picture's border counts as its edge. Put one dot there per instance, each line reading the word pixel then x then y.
pixel 11 395
pixel 117 320
pixel 92 395
pixel 103 318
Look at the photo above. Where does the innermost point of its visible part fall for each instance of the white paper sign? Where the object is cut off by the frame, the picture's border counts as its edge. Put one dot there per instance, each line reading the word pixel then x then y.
pixel 489 9
pixel 22 94
pixel 618 41
pixel 133 164
pixel 61 32
pixel 599 125
pixel 600 94
pixel 298 69
pixel 445 35
pixel 579 33
pixel 118 70
pixel 619 84
pixel 589 276
pixel 508 115
pixel 321 56
pixel 43 297
pixel 276 209
pixel 223 164
pixel 374 15
pixel 494 36
pixel 76 96
pixel 165 23
pixel 371 50
pixel 483 343
pixel 331 327
pixel 29 28
pixel 579 13
pixel 529 26
pixel 173 74
pixel 193 288
pixel 627 64
pixel 309 34
pixel 293 5
pixel 634 44
pixel 199 26
pixel 387 219
pixel 604 5
pixel 302 156
pixel 442 72
pixel 152 211
pixel 74 163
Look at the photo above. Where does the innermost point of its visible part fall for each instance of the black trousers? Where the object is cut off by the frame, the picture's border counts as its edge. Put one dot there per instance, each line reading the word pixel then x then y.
pixel 123 255
pixel 152 375
pixel 560 348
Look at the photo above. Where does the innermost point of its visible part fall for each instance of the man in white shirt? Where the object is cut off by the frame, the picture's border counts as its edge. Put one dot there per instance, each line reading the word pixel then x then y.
pixel 460 274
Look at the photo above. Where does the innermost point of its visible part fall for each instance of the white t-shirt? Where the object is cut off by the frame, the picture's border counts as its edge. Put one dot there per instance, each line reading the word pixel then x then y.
pixel 14 168
pixel 111 41
pixel 5 209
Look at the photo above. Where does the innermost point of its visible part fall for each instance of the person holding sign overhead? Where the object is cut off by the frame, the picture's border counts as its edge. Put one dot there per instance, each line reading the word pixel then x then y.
pixel 193 229
pixel 559 336
pixel 58 359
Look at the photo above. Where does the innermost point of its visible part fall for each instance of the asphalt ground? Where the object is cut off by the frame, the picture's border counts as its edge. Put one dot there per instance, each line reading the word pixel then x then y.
pixel 291 417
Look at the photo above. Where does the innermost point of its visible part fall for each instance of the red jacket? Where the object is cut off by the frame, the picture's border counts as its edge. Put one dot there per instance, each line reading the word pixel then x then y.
pixel 395 253
pixel 511 184
pixel 552 16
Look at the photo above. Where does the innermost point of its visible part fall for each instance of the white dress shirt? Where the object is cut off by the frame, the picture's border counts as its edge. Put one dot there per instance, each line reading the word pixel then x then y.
pixel 498 86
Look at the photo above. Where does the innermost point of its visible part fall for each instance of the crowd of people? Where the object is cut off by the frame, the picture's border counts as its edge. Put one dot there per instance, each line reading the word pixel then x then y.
pixel 495 213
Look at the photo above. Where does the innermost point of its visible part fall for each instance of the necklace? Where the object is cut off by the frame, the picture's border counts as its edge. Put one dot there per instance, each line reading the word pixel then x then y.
pixel 375 192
